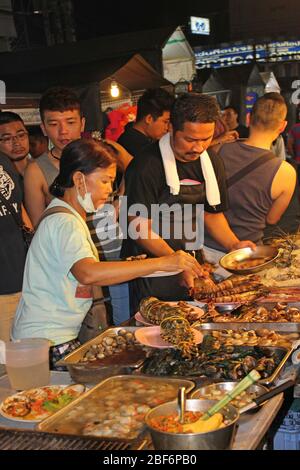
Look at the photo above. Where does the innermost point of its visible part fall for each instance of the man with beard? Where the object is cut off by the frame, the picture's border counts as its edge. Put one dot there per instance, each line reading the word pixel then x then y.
pixel 177 173
pixel 14 142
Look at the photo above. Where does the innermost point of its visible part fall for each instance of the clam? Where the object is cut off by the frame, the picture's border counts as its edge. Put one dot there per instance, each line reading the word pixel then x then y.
pixel 249 363
pixel 122 332
pixel 108 340
pixel 120 340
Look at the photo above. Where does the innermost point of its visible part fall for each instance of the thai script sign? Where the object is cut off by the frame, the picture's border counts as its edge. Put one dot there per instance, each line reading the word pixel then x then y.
pixel 247 53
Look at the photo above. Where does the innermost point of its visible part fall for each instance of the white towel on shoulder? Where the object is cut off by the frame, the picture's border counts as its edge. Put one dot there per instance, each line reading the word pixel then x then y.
pixel 169 161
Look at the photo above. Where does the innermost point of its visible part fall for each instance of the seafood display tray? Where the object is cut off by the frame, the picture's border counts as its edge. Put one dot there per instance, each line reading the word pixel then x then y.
pixel 285 327
pixel 282 294
pixel 53 423
pixel 283 353
pixel 84 372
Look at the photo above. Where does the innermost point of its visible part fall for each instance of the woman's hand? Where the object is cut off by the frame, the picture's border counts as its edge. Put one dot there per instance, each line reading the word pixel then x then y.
pixel 182 261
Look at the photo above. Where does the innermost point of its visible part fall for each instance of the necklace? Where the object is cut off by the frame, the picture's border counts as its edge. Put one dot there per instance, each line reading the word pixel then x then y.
pixel 51 151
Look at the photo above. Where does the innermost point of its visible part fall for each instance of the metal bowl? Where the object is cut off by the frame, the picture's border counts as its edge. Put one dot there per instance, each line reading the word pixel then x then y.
pixel 255 390
pixel 244 254
pixel 220 439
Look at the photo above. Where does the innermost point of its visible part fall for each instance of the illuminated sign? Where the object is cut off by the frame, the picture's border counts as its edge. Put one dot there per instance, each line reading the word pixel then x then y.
pixel 245 54
pixel 200 25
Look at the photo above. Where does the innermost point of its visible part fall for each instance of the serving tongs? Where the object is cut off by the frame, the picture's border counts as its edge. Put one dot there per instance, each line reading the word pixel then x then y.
pixel 181 403
pixel 266 396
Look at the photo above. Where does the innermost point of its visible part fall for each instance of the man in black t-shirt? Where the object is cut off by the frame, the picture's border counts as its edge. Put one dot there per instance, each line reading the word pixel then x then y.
pixel 231 118
pixel 177 170
pixel 12 248
pixel 152 121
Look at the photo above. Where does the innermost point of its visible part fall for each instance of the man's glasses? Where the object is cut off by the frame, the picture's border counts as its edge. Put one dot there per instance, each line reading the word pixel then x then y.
pixel 8 140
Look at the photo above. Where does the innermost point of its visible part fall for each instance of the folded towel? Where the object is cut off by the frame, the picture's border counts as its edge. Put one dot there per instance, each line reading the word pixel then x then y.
pixel 169 162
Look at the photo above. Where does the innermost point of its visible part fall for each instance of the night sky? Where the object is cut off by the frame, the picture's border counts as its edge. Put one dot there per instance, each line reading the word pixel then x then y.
pixel 94 18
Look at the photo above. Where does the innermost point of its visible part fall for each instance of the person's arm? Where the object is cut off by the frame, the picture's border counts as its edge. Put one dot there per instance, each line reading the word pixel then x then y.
pixel 25 218
pixel 282 190
pixel 88 271
pixel 148 240
pixel 229 136
pixel 218 227
pixel 35 200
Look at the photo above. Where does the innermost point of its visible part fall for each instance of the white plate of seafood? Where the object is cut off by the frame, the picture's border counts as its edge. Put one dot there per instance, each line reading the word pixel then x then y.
pixel 36 404
pixel 150 336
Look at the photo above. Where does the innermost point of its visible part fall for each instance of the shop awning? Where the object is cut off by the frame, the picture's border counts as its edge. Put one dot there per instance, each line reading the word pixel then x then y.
pixel 178 58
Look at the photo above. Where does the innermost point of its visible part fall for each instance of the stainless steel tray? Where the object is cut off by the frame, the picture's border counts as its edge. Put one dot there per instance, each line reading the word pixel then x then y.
pixel 84 372
pixel 90 408
pixel 287 327
pixel 283 353
pixel 202 392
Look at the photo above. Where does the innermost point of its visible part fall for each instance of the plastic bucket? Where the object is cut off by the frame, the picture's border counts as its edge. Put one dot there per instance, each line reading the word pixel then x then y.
pixel 27 363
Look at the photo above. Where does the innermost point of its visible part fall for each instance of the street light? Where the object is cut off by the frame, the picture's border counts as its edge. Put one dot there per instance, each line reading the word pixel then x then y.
pixel 114 89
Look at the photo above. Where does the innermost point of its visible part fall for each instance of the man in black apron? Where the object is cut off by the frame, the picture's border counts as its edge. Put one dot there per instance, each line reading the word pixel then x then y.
pixel 177 172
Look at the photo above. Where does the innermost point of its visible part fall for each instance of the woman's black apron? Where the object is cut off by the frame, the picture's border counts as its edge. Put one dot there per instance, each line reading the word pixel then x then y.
pixel 169 287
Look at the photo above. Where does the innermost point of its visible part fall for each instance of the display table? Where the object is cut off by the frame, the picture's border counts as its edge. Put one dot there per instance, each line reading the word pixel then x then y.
pixel 251 429
pixel 253 426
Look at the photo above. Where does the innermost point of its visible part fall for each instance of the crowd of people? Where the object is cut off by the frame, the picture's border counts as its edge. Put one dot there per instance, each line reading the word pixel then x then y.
pixel 178 153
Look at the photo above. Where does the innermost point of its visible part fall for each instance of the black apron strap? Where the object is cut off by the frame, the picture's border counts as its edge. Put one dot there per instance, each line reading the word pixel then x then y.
pixel 265 157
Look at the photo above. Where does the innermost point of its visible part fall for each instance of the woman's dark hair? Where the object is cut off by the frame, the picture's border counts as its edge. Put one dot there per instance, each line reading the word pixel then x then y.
pixel 85 155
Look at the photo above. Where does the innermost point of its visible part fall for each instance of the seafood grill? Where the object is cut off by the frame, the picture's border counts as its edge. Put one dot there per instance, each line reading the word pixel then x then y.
pixel 33 440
